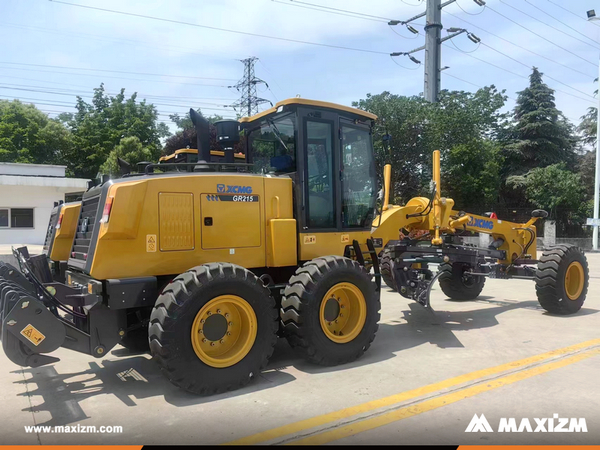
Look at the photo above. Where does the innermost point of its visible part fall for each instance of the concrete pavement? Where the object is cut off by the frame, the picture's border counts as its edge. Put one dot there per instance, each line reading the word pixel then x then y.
pixel 410 371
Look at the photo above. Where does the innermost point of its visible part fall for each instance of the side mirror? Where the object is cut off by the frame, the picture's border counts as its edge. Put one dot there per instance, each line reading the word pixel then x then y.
pixel 540 213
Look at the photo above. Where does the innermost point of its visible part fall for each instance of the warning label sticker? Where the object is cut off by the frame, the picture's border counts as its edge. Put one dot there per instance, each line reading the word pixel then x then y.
pixel 32 335
pixel 345 238
pixel 150 243
pixel 310 239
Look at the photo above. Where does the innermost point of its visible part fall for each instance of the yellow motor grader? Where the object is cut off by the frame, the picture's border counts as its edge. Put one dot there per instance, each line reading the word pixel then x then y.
pixel 210 265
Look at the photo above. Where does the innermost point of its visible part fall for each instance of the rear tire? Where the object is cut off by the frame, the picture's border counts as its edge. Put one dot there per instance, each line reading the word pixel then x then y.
pixel 213 328
pixel 561 280
pixel 386 265
pixel 319 290
pixel 456 286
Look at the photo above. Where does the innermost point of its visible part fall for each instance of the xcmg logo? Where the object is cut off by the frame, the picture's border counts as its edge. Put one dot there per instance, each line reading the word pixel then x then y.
pixel 222 189
pixel 481 223
pixel 554 424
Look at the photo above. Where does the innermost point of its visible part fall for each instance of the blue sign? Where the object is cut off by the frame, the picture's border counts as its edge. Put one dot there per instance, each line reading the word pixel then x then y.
pixel 481 223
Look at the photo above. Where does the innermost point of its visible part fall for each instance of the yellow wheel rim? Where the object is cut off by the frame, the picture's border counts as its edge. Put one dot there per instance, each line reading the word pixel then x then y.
pixel 224 331
pixel 574 280
pixel 343 312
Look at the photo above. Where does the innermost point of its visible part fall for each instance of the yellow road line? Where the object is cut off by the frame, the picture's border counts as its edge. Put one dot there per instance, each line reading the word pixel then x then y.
pixel 403 396
pixel 434 403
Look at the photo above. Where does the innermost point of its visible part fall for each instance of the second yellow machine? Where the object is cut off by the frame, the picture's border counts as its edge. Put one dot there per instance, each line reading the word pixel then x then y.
pixel 209 266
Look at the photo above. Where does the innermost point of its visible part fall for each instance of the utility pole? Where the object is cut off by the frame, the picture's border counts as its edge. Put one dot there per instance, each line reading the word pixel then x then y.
pixel 248 102
pixel 433 44
pixel 597 179
pixel 591 14
pixel 433 53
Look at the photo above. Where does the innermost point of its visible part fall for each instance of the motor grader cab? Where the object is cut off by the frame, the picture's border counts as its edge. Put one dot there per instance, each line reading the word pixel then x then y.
pixel 209 266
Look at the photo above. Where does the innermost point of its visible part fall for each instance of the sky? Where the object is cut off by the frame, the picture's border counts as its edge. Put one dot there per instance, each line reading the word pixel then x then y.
pixel 53 51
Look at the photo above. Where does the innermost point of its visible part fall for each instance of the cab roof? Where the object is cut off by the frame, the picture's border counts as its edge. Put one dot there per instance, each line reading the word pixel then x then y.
pixel 308 102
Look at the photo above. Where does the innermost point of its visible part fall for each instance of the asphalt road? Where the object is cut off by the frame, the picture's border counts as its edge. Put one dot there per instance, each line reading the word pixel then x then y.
pixel 426 375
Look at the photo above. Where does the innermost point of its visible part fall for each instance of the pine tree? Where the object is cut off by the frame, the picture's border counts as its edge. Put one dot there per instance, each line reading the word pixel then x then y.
pixel 543 136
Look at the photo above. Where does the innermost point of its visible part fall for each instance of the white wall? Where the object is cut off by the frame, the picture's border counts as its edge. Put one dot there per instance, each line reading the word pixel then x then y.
pixel 41 199
pixel 47 170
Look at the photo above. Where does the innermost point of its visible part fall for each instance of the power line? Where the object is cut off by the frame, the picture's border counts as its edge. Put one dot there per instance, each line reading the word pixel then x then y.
pixel 119 40
pixel 529 67
pixel 548 25
pixel 471 14
pixel 116 77
pixel 563 23
pixel 540 36
pixel 115 71
pixel 274 80
pixel 524 76
pixel 464 81
pixel 342 10
pixel 507 70
pixel 221 29
pixel 326 10
pixel 517 45
pixel 91 96
pixel 571 12
pixel 29 100
pixel 78 92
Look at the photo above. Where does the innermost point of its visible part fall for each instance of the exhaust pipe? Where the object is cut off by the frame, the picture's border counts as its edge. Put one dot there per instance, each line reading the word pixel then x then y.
pixel 203 132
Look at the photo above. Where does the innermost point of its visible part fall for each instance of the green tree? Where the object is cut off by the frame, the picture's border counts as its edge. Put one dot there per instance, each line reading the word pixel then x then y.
pixel 99 126
pixel 131 150
pixel 471 175
pixel 553 187
pixel 27 135
pixel 461 122
pixel 557 190
pixel 586 168
pixel 542 135
pixel 588 127
pixel 186 136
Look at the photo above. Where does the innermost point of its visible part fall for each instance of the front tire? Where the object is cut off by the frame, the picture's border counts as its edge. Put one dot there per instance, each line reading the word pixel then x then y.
pixel 213 328
pixel 330 310
pixel 562 279
pixel 458 286
pixel 386 266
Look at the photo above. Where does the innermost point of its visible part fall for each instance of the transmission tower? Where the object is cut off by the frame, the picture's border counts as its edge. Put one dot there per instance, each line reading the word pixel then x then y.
pixel 248 102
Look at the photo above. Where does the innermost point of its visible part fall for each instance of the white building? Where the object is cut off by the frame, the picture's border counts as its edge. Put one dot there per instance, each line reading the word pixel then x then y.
pixel 27 196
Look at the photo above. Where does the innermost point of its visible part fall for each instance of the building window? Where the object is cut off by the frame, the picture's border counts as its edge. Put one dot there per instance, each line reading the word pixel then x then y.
pixel 21 218
pixel 3 218
pixel 16 218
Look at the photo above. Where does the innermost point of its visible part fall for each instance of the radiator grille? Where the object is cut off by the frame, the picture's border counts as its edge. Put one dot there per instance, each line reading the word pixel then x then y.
pixel 50 231
pixel 88 219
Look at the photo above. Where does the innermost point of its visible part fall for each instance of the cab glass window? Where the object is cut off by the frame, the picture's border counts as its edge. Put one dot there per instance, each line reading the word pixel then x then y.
pixel 319 159
pixel 273 147
pixel 358 178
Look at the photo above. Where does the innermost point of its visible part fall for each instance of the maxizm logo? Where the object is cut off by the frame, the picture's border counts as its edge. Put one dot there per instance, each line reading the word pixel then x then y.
pixel 481 223
pixel 554 424
pixel 222 189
